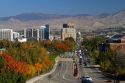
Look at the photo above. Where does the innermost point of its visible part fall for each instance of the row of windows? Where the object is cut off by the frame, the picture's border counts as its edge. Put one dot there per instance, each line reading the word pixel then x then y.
pixel 6 35
pixel 37 33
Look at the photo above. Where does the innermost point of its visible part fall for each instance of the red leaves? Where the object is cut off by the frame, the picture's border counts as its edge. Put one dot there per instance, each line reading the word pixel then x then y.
pixel 63 47
pixel 17 66
pixel 23 68
pixel 42 63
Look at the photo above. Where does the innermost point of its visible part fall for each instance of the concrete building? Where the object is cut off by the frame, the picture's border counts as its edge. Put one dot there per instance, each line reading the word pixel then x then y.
pixel 6 34
pixel 31 34
pixel 68 31
pixel 40 33
pixel 16 35
pixel 22 39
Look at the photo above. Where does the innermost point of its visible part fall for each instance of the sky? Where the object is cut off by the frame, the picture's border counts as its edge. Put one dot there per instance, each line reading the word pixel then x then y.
pixel 71 7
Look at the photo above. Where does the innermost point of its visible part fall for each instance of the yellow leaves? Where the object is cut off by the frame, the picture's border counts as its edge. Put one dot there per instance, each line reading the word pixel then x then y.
pixel 29 58
pixel 32 70
pixel 43 63
pixel 46 63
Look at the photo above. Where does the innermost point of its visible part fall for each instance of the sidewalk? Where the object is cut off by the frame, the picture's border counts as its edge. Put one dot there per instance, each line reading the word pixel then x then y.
pixel 41 76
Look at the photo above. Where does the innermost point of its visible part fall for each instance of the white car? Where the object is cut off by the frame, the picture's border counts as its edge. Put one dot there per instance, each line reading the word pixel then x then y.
pixel 86 79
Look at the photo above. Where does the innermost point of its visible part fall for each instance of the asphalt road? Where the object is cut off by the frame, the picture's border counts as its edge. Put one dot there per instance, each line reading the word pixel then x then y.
pixel 62 74
pixel 94 73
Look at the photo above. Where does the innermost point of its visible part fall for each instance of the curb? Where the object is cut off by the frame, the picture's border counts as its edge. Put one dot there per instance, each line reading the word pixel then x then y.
pixel 41 76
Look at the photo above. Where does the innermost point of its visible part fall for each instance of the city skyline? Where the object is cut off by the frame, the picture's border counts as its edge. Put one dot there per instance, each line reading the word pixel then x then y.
pixel 92 7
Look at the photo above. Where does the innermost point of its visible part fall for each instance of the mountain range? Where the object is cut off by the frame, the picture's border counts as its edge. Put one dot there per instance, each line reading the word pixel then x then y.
pixel 83 21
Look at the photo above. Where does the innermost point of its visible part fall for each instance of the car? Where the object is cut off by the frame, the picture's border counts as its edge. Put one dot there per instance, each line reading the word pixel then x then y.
pixel 86 79
pixel 80 60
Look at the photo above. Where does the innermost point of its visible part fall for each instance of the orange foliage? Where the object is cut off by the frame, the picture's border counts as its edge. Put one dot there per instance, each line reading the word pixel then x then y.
pixel 26 69
pixel 62 47
pixel 46 63
pixel 38 66
pixel 17 66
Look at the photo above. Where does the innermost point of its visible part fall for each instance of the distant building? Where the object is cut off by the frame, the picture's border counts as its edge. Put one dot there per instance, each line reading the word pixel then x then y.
pixel 16 35
pixel 6 34
pixel 119 38
pixel 22 39
pixel 69 25
pixel 47 32
pixel 40 33
pixel 68 30
pixel 115 43
pixel 31 34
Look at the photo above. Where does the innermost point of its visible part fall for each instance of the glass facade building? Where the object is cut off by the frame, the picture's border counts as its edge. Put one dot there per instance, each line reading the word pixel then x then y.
pixel 41 33
pixel 46 32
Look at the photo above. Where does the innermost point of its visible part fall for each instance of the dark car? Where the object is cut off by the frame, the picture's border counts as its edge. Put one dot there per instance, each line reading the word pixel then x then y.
pixel 86 79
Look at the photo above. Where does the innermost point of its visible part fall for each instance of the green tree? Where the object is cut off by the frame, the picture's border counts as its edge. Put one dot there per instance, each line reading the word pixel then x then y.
pixel 1 62
pixel 11 77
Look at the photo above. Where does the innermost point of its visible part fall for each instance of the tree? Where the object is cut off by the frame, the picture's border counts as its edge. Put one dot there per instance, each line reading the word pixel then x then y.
pixel 11 77
pixel 70 42
pixel 1 62
pixel 26 59
pixel 92 46
pixel 119 65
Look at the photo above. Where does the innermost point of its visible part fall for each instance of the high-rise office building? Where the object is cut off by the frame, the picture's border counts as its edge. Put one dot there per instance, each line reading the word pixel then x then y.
pixel 6 34
pixel 31 34
pixel 47 32
pixel 44 32
pixel 40 33
pixel 68 30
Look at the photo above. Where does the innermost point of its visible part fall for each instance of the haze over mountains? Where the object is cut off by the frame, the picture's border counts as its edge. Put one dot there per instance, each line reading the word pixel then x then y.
pixel 82 21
